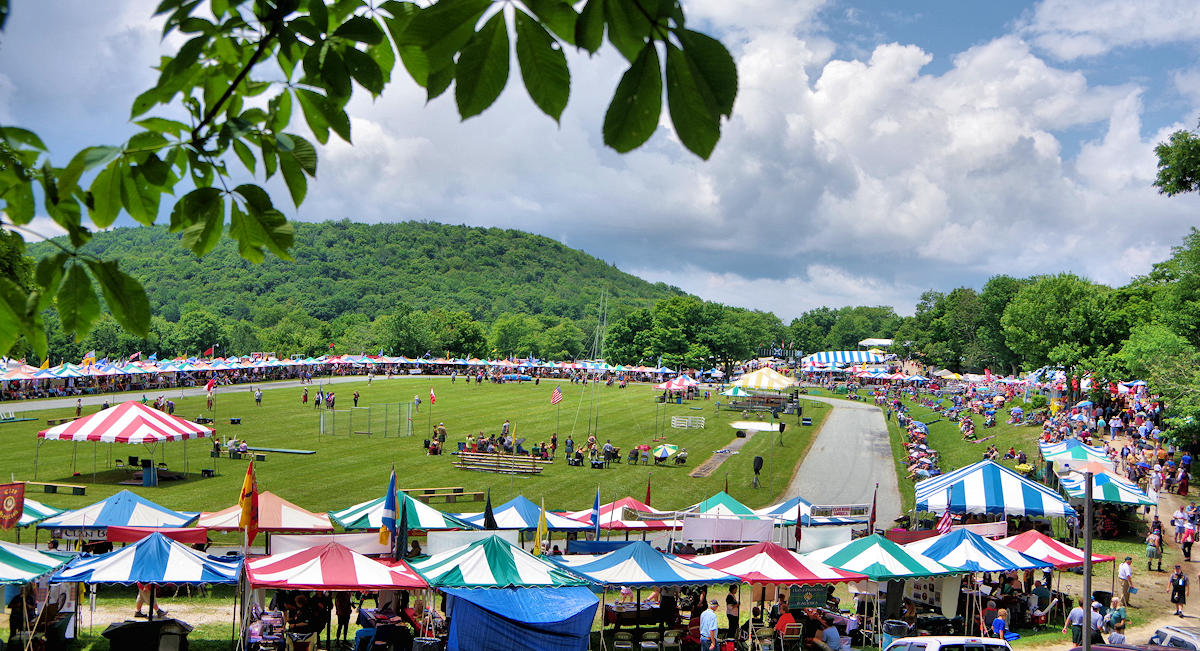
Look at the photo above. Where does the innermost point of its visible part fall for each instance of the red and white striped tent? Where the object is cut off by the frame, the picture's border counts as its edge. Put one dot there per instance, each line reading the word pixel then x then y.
pixel 677 384
pixel 612 514
pixel 275 515
pixel 767 562
pixel 128 422
pixel 1044 548
pixel 330 567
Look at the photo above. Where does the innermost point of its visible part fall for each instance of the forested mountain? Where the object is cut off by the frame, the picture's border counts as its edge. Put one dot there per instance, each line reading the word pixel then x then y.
pixel 346 267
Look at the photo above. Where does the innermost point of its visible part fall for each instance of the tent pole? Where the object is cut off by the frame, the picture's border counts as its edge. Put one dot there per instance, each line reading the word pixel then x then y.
pixel 603 600
pixel 36 453
pixel 95 451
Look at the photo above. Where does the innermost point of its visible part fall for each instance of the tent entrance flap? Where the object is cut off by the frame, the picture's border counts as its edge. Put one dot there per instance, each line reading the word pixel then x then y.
pixel 553 619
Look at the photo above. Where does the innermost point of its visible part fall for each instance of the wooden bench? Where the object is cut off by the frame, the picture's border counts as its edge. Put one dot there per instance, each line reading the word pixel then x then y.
pixel 364 433
pixel 238 455
pixel 51 422
pixel 450 498
pixel 430 491
pixel 488 456
pixel 502 463
pixel 48 487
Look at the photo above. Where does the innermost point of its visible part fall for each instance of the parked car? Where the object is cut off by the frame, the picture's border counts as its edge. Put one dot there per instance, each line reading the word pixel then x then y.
pixel 948 643
pixel 1177 637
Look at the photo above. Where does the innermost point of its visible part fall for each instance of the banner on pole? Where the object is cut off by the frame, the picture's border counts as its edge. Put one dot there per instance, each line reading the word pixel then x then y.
pixel 12 504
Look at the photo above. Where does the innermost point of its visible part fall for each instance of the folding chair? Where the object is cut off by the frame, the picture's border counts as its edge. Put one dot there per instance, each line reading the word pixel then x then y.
pixel 623 640
pixel 651 640
pixel 792 638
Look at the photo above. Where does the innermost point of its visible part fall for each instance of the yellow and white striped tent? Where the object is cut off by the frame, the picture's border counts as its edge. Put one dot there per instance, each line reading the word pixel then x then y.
pixel 764 378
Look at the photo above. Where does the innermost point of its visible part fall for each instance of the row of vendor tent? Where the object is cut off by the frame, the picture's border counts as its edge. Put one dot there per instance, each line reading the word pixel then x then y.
pixel 1073 459
pixel 278 515
pixel 194 365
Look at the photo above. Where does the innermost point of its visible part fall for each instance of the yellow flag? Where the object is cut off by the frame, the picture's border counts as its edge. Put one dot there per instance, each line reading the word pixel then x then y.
pixel 541 530
pixel 45 364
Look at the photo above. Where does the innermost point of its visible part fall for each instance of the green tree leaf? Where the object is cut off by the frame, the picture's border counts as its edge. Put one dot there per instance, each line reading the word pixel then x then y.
pixel 360 29
pixel 589 29
pixel 259 225
pixel 439 80
pixel 334 74
pixel 636 105
pixel 442 29
pixel 556 15
pixel 294 177
pixel 543 66
pixel 364 70
pixel 319 15
pixel 245 155
pixel 200 214
pixel 713 67
pixel 16 136
pixel 693 108
pixel 106 195
pixel 78 307
pixel 628 28
pixel 124 296
pixel 482 69
pixel 133 198
pixel 314 115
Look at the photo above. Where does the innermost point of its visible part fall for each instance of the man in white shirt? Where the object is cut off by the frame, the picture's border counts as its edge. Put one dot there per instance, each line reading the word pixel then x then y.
pixel 708 626
pixel 1125 574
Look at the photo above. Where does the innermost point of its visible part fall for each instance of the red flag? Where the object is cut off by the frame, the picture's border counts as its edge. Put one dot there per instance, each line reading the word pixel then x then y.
pixel 209 352
pixel 331 346
pixel 136 355
pixel 12 504
pixel 212 382
pixel 943 524
pixel 432 397
pixel 871 522
pixel 647 490
pixel 249 503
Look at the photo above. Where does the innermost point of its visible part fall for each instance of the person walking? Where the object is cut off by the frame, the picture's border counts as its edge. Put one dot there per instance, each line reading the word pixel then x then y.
pixel 1154 548
pixel 1179 589
pixel 708 627
pixel 258 397
pixel 356 398
pixel 78 407
pixel 1125 574
pixel 1189 537
pixel 1075 620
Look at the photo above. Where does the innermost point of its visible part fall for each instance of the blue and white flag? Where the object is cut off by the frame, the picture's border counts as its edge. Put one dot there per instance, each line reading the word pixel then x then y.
pixel 595 517
pixel 389 512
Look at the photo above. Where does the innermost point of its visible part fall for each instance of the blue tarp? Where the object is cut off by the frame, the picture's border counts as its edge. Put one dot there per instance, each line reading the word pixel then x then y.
pixel 595 546
pixel 553 619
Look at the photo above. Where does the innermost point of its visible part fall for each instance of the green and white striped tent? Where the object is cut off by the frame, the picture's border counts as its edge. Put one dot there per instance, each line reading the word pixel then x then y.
pixel 22 564
pixel 1106 488
pixel 35 512
pixel 722 504
pixel 880 559
pixel 369 516
pixel 492 562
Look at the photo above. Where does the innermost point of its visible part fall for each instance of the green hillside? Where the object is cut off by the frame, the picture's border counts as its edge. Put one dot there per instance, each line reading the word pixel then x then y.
pixel 351 268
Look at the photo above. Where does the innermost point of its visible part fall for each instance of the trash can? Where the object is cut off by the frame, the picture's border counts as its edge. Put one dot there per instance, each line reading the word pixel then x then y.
pixel 427 644
pixel 893 629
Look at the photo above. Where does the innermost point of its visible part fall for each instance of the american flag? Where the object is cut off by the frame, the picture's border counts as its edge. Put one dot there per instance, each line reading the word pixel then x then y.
pixel 556 397
pixel 943 523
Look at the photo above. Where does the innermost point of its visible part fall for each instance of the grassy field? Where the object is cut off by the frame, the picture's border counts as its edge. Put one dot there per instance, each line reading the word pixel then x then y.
pixel 350 469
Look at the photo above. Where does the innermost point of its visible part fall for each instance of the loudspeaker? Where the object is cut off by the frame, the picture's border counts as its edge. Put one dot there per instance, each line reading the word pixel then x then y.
pixel 782 426
pixel 758 465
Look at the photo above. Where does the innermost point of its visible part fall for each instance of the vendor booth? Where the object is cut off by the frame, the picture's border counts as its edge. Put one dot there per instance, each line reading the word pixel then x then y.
pixel 986 487
pixel 275 515
pixel 125 509
pixel 51 621
pixel 522 514
pixel 369 515
pixel 530 603
pixel 130 423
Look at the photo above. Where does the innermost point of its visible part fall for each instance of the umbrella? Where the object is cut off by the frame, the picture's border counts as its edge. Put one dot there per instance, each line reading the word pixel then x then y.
pixel 662 452
pixel 736 392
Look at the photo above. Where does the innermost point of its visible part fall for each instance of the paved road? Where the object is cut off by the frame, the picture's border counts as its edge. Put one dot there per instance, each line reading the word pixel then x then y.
pixel 851 453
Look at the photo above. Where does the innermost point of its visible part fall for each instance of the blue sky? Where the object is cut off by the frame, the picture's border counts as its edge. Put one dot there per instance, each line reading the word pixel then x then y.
pixel 877 149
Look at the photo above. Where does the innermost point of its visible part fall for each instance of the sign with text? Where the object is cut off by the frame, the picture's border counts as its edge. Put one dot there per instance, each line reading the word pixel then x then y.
pixel 12 504
pixel 841 511
pixel 808 596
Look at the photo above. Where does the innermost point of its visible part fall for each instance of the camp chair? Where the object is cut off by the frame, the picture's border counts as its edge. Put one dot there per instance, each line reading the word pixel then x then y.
pixel 792 638
pixel 1040 617
pixel 623 640
pixel 645 457
pixel 764 639
pixel 633 455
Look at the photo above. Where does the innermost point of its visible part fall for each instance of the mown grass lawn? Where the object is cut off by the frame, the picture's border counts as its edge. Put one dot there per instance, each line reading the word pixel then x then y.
pixel 348 469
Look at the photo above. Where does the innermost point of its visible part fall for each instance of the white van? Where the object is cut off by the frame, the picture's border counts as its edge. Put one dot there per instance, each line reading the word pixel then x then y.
pixel 948 643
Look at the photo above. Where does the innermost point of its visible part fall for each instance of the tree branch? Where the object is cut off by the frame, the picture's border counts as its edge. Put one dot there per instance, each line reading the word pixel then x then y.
pixel 213 110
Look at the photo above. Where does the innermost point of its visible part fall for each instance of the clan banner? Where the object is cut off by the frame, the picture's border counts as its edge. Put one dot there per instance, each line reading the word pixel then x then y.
pixel 12 504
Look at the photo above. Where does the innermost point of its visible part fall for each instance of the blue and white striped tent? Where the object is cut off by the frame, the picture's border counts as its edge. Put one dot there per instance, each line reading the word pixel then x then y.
pixel 638 565
pixel 125 509
pixel 843 357
pixel 521 513
pixel 153 559
pixel 784 514
pixel 966 550
pixel 988 487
